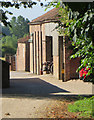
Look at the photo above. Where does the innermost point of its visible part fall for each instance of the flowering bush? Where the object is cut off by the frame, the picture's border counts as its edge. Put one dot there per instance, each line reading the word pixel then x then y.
pixel 83 73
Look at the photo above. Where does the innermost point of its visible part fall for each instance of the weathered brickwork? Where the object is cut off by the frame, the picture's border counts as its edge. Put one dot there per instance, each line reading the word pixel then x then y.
pixel 74 65
pixel 56 66
pixel 23 55
pixel 12 60
pixel 71 65
pixel 42 30
pixel 38 45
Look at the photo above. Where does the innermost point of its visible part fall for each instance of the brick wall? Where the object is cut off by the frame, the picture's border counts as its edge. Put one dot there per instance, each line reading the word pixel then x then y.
pixel 13 63
pixel 74 63
pixel 23 57
pixel 70 65
pixel 67 63
pixel 12 60
pixel 56 66
pixel 38 46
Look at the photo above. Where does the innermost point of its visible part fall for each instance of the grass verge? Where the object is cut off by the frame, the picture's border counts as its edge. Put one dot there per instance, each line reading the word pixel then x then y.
pixel 85 107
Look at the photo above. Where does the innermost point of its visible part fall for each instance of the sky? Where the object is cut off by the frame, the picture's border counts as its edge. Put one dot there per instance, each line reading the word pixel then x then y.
pixel 30 13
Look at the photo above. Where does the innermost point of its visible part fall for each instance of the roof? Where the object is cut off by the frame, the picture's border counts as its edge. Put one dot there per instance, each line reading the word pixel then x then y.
pixel 50 16
pixel 24 39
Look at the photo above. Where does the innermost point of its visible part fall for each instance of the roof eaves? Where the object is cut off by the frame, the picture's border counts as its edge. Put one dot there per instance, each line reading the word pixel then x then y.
pixel 24 40
pixel 42 22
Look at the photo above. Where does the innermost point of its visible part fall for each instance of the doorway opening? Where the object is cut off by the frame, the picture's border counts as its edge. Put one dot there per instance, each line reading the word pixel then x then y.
pixel 49 48
pixel 49 54
pixel 61 58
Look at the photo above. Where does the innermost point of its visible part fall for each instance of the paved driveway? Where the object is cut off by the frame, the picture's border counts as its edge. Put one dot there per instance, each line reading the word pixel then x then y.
pixel 44 85
pixel 27 84
pixel 29 93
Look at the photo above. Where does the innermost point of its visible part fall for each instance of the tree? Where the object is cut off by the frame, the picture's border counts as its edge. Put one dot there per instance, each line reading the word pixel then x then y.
pixel 80 28
pixel 7 50
pixel 17 5
pixel 9 45
pixel 6 31
pixel 19 26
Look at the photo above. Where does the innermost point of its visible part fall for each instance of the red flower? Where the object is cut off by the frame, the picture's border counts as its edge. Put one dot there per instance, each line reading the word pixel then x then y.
pixel 83 72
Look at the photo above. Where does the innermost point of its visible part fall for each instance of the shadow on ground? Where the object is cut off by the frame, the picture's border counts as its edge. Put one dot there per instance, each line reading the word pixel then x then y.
pixel 32 87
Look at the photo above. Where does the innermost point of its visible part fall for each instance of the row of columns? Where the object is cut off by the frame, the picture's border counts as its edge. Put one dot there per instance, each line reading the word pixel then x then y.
pixel 36 52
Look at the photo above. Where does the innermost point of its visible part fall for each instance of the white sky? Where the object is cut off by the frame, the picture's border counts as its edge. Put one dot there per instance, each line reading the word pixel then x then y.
pixel 30 13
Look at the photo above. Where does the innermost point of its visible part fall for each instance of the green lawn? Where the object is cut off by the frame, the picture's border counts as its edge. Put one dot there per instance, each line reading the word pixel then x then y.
pixel 84 106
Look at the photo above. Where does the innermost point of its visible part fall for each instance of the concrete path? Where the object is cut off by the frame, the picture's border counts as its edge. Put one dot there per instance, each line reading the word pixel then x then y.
pixel 29 94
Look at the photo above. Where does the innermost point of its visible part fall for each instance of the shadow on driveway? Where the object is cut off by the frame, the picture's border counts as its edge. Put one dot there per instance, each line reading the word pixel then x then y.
pixel 31 87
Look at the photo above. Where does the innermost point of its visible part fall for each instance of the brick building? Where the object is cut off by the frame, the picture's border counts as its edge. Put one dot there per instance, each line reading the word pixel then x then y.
pixel 23 54
pixel 46 44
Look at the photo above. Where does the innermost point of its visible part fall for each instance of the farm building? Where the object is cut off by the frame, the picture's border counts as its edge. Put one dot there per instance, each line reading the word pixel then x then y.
pixel 47 44
pixel 23 54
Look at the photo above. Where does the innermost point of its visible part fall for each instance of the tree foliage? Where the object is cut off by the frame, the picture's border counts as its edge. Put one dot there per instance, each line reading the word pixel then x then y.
pixel 79 26
pixel 5 31
pixel 77 22
pixel 9 45
pixel 19 26
pixel 15 4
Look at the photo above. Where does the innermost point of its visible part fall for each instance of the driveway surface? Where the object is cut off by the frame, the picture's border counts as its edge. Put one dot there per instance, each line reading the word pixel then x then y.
pixel 29 94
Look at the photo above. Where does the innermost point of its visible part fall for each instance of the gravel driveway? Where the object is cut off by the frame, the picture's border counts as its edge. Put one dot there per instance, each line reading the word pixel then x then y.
pixel 29 94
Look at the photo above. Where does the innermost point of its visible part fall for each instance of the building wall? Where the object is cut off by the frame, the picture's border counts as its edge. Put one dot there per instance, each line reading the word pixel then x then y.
pixel 51 31
pixel 66 63
pixel 12 60
pixel 21 56
pixel 31 57
pixel 36 47
pixel 74 63
pixel 47 29
pixel 27 56
pixel 37 57
pixel 70 65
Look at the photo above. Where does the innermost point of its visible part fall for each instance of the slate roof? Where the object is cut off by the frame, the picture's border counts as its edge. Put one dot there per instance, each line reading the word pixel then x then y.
pixel 24 39
pixel 50 16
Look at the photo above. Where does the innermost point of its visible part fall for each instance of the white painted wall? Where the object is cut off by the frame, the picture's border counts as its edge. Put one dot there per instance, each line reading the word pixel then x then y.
pixel 51 31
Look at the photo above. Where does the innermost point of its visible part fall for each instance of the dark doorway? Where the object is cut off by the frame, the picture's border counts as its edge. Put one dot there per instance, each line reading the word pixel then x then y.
pixel 49 48
pixel 35 55
pixel 61 58
pixel 27 57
